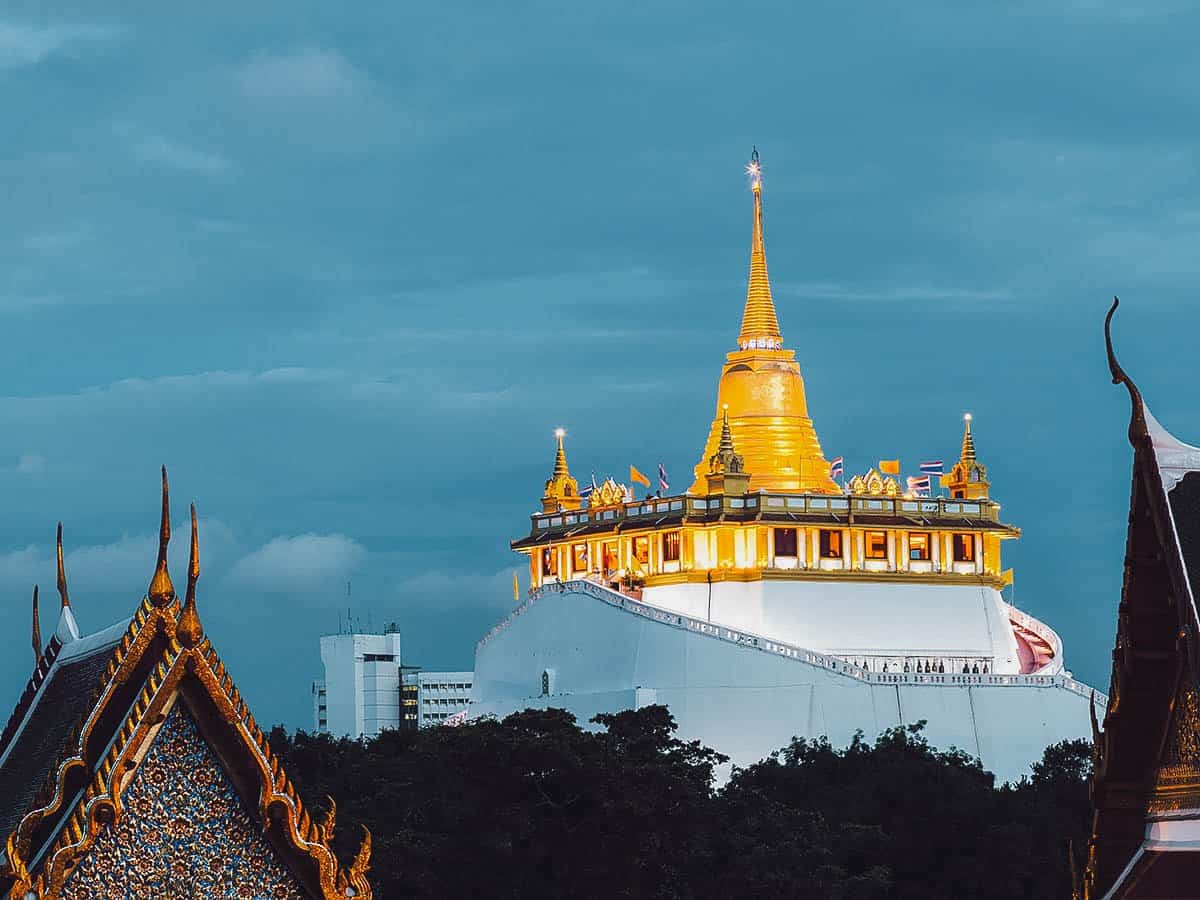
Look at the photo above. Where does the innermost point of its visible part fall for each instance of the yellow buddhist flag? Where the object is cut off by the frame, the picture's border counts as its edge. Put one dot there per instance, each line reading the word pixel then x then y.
pixel 1007 577
pixel 516 588
pixel 889 466
pixel 636 476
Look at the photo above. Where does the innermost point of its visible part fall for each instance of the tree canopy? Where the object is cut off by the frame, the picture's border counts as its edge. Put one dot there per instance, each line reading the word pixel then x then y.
pixel 536 806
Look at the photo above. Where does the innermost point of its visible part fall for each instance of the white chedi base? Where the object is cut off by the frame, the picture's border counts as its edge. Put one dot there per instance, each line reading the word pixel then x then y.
pixel 588 650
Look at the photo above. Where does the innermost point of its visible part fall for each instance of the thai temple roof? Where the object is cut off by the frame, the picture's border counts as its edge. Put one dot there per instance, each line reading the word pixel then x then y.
pixel 1146 785
pixel 89 718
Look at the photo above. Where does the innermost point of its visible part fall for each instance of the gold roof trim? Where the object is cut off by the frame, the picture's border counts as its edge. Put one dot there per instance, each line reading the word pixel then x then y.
pixel 161 591
pixel 189 629
pixel 62 571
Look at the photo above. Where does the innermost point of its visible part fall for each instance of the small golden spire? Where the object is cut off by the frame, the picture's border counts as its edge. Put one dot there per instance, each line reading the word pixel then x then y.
pixel 968 443
pixel 162 591
pixel 726 445
pixel 760 326
pixel 560 455
pixel 189 630
pixel 562 491
pixel 62 572
pixel 967 479
pixel 37 629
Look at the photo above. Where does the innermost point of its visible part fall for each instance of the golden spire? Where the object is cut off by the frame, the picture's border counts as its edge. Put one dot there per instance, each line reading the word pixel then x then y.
pixel 161 591
pixel 560 456
pixel 62 572
pixel 726 445
pixel 189 630
pixel 37 629
pixel 968 477
pixel 764 390
pixel 562 491
pixel 760 327
pixel 968 443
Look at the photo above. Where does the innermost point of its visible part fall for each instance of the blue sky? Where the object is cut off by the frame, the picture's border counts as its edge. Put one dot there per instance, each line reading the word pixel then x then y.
pixel 344 271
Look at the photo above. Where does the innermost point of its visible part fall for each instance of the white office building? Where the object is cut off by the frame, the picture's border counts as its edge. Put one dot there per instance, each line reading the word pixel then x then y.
pixel 439 695
pixel 360 693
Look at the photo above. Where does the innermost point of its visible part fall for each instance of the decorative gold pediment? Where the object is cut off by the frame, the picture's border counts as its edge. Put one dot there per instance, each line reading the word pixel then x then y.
pixel 874 485
pixel 608 494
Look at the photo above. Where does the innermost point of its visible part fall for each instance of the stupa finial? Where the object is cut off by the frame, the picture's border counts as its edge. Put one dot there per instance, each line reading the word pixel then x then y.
pixel 726 445
pixel 560 455
pixel 37 629
pixel 968 441
pixel 760 326
pixel 162 591
pixel 189 630
pixel 62 572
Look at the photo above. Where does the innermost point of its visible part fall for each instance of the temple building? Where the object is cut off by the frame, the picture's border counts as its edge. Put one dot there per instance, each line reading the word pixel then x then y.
pixel 769 600
pixel 132 768
pixel 1145 839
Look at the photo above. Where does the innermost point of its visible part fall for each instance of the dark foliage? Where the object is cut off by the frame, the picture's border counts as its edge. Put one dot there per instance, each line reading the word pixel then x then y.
pixel 535 806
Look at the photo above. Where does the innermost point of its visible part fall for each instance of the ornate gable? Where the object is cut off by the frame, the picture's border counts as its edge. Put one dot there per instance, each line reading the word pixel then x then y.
pixel 185 832
pixel 156 683
pixel 1146 779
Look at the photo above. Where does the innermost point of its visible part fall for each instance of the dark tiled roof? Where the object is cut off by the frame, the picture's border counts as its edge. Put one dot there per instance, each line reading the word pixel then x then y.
pixel 35 681
pixel 64 700
pixel 1185 510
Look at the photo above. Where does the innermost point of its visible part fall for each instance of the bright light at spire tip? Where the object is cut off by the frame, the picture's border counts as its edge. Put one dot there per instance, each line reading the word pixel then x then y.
pixel 560 433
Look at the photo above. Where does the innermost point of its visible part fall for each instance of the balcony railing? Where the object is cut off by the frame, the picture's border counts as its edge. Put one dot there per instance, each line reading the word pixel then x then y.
pixel 778 648
pixel 820 507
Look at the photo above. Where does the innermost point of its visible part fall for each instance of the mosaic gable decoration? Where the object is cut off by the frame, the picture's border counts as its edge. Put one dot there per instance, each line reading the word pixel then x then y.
pixel 132 768
pixel 184 833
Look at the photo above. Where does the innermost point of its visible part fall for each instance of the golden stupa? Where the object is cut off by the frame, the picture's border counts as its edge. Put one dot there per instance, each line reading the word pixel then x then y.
pixel 763 392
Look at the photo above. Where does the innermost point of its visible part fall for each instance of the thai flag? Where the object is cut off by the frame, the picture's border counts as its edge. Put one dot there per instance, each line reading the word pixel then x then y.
pixel 662 478
pixel 918 485
pixel 586 490
pixel 933 467
pixel 837 468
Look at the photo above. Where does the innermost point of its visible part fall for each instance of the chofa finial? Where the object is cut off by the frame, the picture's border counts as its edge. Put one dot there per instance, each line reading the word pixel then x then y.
pixel 62 572
pixel 1137 414
pixel 189 630
pixel 37 629
pixel 162 591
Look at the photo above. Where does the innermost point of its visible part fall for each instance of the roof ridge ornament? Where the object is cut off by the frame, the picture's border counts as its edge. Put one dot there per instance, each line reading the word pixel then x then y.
pixel 1137 414
pixel 62 572
pixel 161 591
pixel 189 630
pixel 760 325
pixel 37 629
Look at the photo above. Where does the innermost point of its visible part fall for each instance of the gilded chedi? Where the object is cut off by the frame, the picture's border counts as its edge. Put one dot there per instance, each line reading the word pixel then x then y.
pixel 768 600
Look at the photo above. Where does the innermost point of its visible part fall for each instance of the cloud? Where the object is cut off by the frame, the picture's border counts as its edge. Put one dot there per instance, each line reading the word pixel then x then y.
pixel 305 74
pixel 159 150
pixel 24 45
pixel 31 464
pixel 123 565
pixel 298 563
pixel 463 589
